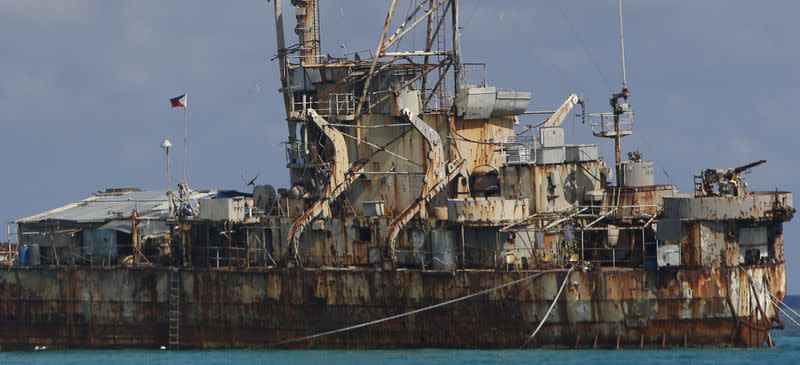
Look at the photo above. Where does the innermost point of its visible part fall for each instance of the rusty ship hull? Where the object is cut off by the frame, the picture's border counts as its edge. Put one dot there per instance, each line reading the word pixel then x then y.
pixel 414 186
pixel 103 307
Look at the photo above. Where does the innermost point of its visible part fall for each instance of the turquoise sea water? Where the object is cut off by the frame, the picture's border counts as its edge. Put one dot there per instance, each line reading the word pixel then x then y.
pixel 787 351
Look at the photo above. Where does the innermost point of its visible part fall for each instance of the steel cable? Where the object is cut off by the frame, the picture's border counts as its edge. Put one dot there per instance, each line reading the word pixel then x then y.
pixel 555 300
pixel 773 298
pixel 406 314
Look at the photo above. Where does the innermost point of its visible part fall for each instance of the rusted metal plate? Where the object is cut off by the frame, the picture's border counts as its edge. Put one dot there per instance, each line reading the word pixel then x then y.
pixel 489 135
pixel 760 205
pixel 551 188
pixel 642 200
pixel 487 211
pixel 91 307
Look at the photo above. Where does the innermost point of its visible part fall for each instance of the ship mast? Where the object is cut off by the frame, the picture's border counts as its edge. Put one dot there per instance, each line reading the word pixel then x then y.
pixel 622 48
pixel 620 108
pixel 282 66
pixel 308 30
pixel 457 74
pixel 611 125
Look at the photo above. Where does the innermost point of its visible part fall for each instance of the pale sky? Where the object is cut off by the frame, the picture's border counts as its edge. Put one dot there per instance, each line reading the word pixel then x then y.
pixel 84 86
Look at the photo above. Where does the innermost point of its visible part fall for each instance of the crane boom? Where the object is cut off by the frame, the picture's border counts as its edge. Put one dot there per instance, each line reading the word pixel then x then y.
pixel 561 113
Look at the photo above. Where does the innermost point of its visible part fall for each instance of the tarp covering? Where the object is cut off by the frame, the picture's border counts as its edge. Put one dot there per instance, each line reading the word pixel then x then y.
pixel 99 242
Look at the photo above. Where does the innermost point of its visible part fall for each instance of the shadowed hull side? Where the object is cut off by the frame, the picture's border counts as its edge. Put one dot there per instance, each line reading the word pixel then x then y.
pixel 102 308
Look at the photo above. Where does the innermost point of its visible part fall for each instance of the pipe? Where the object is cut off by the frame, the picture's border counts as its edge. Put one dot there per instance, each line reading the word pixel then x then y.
pixel 456 48
pixel 282 68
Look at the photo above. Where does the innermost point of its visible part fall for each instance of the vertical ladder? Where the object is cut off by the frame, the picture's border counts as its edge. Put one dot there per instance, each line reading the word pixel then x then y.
pixel 174 309
pixel 698 184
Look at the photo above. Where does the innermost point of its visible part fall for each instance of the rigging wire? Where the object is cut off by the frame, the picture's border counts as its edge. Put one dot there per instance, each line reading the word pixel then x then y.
pixel 403 25
pixel 783 311
pixel 382 149
pixel 420 310
pixel 773 298
pixel 582 43
pixel 465 139
pixel 469 19
pixel 555 300
pixel 597 68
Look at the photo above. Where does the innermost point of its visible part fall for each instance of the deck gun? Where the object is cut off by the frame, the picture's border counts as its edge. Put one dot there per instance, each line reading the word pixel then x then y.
pixel 722 182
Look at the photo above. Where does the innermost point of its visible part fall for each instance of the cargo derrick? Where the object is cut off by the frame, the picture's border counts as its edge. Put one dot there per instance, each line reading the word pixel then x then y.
pixel 339 180
pixel 409 187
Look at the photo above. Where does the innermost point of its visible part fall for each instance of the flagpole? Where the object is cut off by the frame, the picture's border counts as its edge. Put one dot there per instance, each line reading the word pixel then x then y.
pixel 185 135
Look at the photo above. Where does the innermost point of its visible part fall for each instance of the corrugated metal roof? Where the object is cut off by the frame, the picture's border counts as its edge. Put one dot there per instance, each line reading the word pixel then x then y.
pixel 102 208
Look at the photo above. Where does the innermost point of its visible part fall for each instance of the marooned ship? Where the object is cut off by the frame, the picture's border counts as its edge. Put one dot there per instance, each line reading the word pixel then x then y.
pixel 419 213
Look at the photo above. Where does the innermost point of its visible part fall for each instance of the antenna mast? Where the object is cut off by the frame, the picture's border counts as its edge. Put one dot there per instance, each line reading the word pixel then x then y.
pixel 622 48
pixel 610 124
pixel 620 108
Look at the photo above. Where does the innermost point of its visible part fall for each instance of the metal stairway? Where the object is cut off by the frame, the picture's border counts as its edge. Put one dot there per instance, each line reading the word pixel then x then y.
pixel 174 309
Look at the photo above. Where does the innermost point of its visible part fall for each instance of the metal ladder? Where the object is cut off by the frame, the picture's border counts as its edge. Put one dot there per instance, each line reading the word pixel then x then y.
pixel 174 309
pixel 698 183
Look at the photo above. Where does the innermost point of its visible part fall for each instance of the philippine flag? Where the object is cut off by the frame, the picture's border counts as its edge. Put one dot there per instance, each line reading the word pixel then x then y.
pixel 178 101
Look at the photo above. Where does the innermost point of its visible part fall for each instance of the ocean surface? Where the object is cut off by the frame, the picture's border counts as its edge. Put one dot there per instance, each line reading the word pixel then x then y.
pixel 787 351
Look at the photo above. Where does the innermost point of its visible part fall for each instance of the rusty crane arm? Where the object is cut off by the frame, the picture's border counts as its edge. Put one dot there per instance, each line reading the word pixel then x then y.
pixel 342 176
pixel 436 178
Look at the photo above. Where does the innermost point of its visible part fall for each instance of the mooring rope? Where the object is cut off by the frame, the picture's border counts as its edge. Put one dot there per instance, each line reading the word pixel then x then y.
pixel 561 289
pixel 784 312
pixel 420 310
pixel 773 298
pixel 784 304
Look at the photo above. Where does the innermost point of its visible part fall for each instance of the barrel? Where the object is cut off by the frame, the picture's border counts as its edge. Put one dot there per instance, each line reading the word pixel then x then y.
pixel 34 255
pixel 22 256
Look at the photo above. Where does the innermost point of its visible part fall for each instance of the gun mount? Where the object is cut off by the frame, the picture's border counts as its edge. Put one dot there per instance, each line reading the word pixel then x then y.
pixel 723 182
